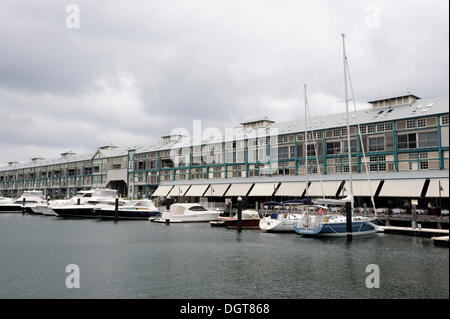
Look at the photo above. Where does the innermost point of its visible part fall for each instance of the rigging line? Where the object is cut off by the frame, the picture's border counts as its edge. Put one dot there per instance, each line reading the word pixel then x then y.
pixel 315 151
pixel 361 141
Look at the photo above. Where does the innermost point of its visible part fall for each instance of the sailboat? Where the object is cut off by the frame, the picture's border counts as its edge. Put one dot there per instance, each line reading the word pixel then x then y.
pixel 285 222
pixel 325 225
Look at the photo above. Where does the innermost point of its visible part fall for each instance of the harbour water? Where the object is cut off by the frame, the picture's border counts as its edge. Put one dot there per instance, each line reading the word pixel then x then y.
pixel 149 260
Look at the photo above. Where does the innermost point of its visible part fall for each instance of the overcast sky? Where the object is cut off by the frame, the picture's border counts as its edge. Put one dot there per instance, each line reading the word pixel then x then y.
pixel 134 70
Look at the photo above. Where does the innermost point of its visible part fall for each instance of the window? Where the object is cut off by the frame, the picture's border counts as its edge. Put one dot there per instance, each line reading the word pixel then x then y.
pixel 407 141
pixel 388 126
pixel 421 123
pixel 352 146
pixel 336 133
pixel 428 139
pixel 333 148
pixel 376 144
pixel 444 120
pixel 371 128
pixel 362 129
pixel 380 127
pixel 423 165
pixel 410 123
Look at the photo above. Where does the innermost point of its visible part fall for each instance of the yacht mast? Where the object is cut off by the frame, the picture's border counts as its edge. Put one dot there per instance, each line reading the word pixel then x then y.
pixel 306 145
pixel 348 124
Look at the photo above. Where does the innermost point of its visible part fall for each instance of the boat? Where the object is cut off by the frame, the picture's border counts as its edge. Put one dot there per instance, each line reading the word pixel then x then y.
pixel 328 225
pixel 183 213
pixel 24 203
pixel 81 197
pixel 250 220
pixel 98 199
pixel 4 203
pixel 134 210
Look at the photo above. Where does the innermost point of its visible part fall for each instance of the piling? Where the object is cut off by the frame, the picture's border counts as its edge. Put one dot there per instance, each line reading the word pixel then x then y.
pixel 348 208
pixel 414 217
pixel 23 206
pixel 239 214
pixel 78 201
pixel 116 209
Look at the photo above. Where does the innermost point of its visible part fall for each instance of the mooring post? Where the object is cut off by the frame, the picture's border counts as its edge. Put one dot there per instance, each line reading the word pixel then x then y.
pixel 23 206
pixel 239 214
pixel 116 209
pixel 78 201
pixel 348 208
pixel 414 217
pixel 364 209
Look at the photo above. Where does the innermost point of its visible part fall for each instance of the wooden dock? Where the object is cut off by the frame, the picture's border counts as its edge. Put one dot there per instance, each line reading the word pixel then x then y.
pixel 440 241
pixel 421 232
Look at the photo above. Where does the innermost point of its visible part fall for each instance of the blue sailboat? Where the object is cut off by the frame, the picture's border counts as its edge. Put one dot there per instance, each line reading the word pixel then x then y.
pixel 325 225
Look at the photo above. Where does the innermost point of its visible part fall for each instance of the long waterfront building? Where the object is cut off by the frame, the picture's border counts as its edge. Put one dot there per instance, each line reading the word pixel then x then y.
pixel 405 140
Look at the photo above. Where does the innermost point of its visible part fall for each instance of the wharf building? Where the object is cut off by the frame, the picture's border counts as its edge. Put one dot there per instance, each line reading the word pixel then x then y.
pixel 405 140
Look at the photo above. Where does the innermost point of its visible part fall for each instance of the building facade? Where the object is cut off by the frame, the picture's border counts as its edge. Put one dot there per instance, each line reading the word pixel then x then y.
pixel 397 134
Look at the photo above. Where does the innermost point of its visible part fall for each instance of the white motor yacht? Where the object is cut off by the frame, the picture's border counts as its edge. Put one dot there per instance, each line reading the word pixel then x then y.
pixel 183 213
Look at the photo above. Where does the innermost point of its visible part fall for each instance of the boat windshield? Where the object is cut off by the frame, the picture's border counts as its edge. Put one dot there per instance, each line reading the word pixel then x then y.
pixel 105 192
pixel 32 194
pixel 198 208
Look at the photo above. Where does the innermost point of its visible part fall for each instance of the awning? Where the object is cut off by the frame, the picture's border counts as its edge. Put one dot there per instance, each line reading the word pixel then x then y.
pixel 238 189
pixel 291 189
pixel 433 188
pixel 179 190
pixel 162 191
pixel 196 190
pixel 360 188
pixel 216 190
pixel 263 189
pixel 402 188
pixel 329 188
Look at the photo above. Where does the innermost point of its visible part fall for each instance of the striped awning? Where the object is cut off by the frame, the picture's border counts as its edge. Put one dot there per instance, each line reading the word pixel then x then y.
pixel 263 189
pixel 291 189
pixel 216 190
pixel 402 188
pixel 196 190
pixel 329 188
pixel 433 188
pixel 238 189
pixel 179 190
pixel 162 191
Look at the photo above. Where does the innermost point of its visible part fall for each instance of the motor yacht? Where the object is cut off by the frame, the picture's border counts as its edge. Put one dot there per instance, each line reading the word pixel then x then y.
pixel 183 213
pixel 134 210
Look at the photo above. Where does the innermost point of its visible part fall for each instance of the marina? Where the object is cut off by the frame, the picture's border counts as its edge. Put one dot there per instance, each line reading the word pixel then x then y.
pixel 134 259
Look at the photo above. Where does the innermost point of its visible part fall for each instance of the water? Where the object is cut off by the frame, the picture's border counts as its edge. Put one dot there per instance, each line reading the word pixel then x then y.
pixel 150 260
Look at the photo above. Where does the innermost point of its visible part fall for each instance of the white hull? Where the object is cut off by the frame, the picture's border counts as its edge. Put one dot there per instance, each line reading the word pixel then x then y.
pixel 282 224
pixel 198 217
pixel 42 210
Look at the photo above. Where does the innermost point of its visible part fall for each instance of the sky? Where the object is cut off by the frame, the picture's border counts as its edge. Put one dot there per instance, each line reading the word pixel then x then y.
pixel 79 74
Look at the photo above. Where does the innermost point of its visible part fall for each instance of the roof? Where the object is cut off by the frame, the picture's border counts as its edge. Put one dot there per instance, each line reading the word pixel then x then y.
pixel 422 107
pixel 393 96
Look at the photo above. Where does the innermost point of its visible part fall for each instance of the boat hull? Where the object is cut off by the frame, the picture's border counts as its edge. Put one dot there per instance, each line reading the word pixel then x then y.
pixel 277 226
pixel 246 223
pixel 76 212
pixel 128 214
pixel 359 228
pixel 10 208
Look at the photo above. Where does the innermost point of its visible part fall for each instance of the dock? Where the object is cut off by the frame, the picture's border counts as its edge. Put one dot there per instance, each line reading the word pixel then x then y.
pixel 420 232
pixel 440 241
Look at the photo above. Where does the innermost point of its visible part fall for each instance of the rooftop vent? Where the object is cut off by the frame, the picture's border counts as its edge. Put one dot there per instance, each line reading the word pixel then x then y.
pixel 13 163
pixel 257 123
pixel 394 100
pixel 67 154
pixel 173 137
pixel 107 147
pixel 37 159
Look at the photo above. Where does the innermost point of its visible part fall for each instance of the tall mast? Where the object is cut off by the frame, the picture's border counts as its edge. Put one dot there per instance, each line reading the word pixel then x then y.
pixel 348 123
pixel 306 144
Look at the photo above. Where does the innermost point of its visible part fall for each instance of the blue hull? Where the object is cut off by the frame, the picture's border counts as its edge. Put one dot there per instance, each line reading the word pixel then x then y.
pixel 359 228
